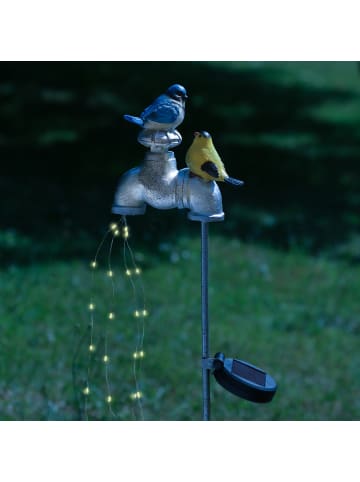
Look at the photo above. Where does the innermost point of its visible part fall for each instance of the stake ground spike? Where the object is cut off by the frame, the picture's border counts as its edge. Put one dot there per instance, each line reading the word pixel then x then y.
pixel 160 184
pixel 205 319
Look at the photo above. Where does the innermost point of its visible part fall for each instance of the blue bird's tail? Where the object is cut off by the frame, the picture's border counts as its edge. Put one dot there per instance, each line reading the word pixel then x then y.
pixel 234 182
pixel 134 120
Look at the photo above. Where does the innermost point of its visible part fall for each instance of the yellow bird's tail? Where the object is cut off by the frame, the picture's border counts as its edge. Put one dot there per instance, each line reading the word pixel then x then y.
pixel 234 182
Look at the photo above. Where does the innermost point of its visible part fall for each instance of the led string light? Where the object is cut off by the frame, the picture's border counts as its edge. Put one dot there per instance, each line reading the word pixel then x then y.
pixel 138 354
pixel 110 316
pixel 140 313
pixel 132 272
pixel 91 348
pixel 106 361
pixel 86 391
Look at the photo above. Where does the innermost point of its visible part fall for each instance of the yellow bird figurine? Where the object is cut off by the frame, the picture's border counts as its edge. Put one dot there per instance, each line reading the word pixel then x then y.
pixel 203 160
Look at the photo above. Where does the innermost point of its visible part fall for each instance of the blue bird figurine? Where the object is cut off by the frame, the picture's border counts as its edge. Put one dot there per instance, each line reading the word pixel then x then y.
pixel 165 113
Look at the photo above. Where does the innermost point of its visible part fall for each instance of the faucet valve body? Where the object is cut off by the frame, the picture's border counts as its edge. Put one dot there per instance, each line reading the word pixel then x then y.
pixel 160 184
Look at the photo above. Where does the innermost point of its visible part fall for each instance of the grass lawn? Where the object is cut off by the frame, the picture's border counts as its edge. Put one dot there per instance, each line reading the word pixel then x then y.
pixel 294 315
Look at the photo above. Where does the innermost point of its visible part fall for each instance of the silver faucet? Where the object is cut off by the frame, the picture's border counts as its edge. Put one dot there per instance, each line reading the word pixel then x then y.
pixel 159 183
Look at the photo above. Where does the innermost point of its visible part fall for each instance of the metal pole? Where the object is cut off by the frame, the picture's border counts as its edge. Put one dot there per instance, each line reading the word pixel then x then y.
pixel 205 320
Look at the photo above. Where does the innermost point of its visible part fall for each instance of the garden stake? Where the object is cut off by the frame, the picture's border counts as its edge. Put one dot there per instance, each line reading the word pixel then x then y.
pixel 205 320
pixel 160 184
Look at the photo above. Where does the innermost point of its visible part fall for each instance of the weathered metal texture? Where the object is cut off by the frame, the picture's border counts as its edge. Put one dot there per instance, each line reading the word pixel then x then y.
pixel 158 182
pixel 159 141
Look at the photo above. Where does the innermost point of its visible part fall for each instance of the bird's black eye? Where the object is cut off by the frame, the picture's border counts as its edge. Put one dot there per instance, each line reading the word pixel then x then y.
pixel 176 92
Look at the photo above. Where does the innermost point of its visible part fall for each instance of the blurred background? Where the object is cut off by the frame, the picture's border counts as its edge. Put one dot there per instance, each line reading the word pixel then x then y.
pixel 284 265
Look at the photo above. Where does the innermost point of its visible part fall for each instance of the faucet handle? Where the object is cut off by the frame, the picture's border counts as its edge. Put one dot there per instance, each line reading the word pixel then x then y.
pixel 159 141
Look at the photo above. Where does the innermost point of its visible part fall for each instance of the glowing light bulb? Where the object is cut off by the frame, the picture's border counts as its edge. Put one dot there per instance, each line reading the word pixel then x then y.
pixel 125 232
pixel 109 399
pixel 128 272
pixel 93 264
pixel 110 273
pixel 111 316
pixel 106 359
pixel 139 313
pixel 136 395
pixel 116 232
pixel 92 348
pixel 138 354
pixel 91 306
pixel 113 226
pixel 137 270
pixel 86 391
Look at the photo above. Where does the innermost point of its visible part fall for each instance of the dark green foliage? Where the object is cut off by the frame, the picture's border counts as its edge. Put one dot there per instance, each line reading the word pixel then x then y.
pixel 290 130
